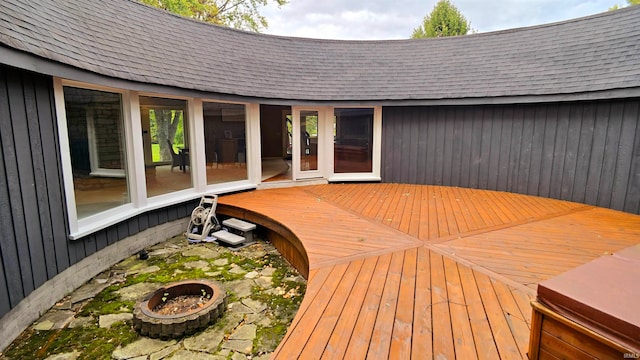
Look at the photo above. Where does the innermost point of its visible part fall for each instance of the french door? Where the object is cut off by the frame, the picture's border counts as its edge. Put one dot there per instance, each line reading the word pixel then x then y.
pixel 309 138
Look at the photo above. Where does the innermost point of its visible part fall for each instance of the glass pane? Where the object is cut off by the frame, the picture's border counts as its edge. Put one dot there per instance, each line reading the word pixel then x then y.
pixel 353 137
pixel 166 146
pixel 225 142
pixel 98 154
pixel 308 140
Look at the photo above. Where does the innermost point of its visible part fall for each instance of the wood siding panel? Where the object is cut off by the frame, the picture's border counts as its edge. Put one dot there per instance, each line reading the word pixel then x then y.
pixel 458 140
pixel 586 152
pixel 467 146
pixel 611 148
pixel 505 149
pixel 625 154
pixel 535 166
pixel 38 190
pixel 8 247
pixel 548 148
pixel 559 151
pixel 485 150
pixel 525 150
pixel 423 143
pixel 632 202
pixel 431 154
pixel 476 150
pixel 413 139
pixel 583 159
pixel 53 176
pixel 20 179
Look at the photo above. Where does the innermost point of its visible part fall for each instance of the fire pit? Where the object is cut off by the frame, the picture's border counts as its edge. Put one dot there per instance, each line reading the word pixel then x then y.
pixel 179 309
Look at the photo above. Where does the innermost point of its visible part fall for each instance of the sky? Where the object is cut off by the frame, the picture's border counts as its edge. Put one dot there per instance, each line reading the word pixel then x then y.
pixel 396 19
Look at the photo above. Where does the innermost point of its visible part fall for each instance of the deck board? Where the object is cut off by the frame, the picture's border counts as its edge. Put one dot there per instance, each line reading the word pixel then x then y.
pixel 383 328
pixel 341 334
pixel 403 321
pixel 319 338
pixel 460 325
pixel 360 338
pixel 421 271
pixel 485 345
pixel 422 333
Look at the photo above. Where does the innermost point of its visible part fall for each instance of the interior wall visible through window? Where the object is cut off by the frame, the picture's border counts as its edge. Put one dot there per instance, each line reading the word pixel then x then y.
pixel 225 142
pixel 98 153
pixel 166 145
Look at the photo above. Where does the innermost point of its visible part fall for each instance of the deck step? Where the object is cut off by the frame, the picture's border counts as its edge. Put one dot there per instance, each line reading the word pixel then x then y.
pixel 240 228
pixel 229 238
pixel 239 224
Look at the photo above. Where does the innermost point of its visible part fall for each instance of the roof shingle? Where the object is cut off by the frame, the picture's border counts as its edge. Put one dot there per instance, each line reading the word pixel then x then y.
pixel 127 40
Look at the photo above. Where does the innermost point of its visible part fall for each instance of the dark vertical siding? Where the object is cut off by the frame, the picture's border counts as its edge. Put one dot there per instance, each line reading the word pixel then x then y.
pixel 632 202
pixel 34 245
pixel 11 287
pixel 587 152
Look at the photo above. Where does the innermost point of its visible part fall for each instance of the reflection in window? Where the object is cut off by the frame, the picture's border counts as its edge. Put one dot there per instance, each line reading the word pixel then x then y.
pixel 225 142
pixel 166 146
pixel 353 139
pixel 96 141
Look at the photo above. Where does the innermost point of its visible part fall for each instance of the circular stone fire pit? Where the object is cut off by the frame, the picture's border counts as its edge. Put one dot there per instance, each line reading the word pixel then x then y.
pixel 149 322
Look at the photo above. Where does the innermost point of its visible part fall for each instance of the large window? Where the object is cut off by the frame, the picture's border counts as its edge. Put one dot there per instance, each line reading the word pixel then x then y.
pixel 124 152
pixel 166 146
pixel 353 140
pixel 98 154
pixel 225 142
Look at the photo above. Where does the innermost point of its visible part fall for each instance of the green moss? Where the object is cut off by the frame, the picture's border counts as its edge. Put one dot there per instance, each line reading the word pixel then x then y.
pixel 268 338
pixel 106 302
pixel 93 342
pixel 171 269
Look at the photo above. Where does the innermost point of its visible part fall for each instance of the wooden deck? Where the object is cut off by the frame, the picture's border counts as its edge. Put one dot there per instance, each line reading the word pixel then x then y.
pixel 427 272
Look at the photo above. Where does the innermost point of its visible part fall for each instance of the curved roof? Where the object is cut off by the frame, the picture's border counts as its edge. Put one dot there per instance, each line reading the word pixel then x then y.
pixel 126 40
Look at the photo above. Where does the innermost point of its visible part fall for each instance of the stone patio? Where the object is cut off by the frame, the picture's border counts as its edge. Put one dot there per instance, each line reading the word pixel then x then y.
pixel 244 331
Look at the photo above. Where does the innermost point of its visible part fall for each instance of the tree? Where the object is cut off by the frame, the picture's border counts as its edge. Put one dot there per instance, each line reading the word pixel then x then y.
pixel 167 122
pixel 240 14
pixel 444 20
pixel 629 3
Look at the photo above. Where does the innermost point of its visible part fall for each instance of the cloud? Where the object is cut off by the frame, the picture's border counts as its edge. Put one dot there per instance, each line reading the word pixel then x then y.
pixel 386 19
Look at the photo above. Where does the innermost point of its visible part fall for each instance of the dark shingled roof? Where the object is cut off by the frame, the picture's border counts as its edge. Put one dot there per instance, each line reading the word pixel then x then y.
pixel 126 40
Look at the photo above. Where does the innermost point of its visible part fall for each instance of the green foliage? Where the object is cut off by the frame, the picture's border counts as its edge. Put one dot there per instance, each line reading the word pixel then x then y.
pixel 629 3
pixel 444 20
pixel 311 125
pixel 240 14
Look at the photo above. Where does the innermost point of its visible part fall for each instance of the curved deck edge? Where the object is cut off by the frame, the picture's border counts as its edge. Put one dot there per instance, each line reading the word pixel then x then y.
pixel 287 243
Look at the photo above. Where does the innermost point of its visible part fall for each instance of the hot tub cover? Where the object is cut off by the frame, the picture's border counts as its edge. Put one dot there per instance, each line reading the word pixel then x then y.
pixel 603 295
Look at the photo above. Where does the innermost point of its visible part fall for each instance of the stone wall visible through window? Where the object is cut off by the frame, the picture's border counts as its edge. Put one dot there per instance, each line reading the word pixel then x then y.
pixel 98 153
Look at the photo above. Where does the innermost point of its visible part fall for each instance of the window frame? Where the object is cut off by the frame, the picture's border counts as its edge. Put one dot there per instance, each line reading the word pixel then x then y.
pixel 252 143
pixel 90 224
pixel 376 149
